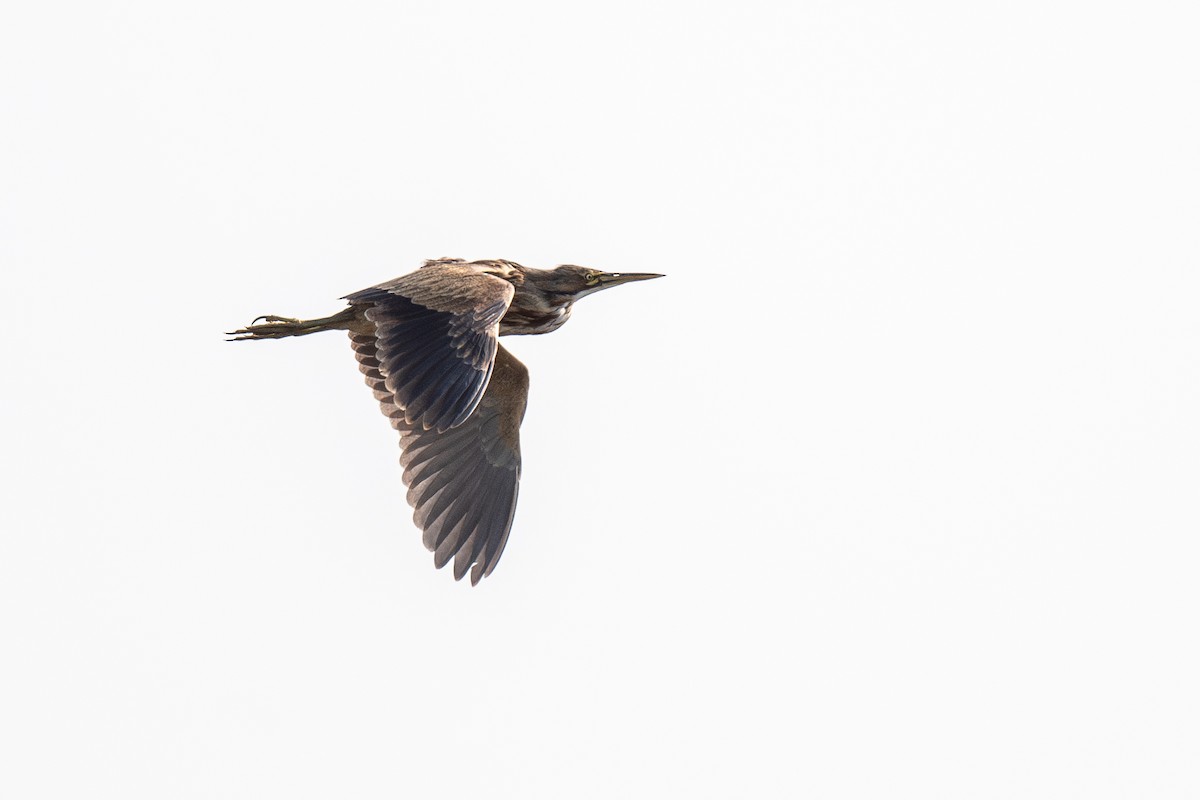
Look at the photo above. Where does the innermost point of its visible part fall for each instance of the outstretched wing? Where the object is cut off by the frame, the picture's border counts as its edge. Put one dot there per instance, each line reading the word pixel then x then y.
pixel 436 332
pixel 462 482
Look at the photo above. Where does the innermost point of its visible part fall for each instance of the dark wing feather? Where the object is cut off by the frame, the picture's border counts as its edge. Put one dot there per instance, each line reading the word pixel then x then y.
pixel 462 482
pixel 436 332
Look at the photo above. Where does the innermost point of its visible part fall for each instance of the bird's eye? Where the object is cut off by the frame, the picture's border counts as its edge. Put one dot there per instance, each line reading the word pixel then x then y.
pixel 591 277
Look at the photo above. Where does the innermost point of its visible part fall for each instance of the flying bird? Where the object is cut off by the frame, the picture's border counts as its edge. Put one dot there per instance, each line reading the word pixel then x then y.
pixel 427 343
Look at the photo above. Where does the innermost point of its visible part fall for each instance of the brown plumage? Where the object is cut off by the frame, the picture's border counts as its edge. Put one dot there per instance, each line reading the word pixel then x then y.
pixel 427 344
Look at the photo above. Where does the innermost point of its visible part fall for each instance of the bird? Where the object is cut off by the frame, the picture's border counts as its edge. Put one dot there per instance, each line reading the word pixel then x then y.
pixel 427 344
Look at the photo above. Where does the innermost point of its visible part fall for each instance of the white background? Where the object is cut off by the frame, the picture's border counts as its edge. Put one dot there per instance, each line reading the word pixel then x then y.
pixel 888 490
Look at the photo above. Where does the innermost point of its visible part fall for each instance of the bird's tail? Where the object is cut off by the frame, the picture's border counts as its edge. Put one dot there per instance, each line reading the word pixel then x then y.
pixel 274 327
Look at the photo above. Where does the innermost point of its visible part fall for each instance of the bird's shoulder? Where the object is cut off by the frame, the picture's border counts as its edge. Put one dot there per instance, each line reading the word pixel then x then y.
pixel 499 267
pixel 453 285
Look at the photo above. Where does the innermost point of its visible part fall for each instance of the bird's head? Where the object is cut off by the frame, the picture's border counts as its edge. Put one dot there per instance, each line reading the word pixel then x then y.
pixel 579 282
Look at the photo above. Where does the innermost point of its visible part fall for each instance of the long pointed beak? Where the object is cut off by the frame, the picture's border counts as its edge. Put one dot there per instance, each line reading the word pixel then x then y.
pixel 608 279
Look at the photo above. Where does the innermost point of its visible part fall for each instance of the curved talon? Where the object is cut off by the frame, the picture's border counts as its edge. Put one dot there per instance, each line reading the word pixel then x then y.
pixel 273 318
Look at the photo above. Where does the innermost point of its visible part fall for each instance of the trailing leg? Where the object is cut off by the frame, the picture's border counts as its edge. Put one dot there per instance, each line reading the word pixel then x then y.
pixel 274 327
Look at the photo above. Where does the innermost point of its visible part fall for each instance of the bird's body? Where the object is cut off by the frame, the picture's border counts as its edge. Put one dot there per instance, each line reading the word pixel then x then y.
pixel 427 344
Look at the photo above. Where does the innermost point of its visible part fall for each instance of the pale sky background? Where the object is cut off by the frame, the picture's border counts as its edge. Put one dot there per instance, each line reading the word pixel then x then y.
pixel 889 490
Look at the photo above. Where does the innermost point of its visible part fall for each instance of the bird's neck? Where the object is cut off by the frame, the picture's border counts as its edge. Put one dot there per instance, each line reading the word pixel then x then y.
pixel 533 312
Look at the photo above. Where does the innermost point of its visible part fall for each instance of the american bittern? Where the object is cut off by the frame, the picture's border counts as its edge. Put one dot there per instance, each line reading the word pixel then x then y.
pixel 427 344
